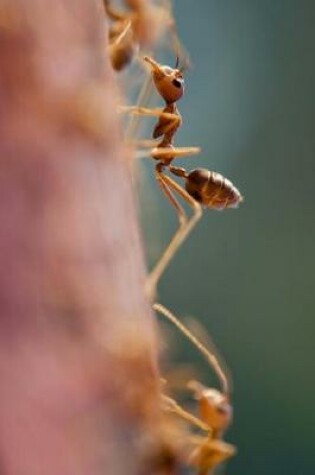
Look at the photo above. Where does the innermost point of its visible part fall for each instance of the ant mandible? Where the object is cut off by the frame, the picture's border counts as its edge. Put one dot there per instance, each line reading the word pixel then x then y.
pixel 203 188
pixel 215 411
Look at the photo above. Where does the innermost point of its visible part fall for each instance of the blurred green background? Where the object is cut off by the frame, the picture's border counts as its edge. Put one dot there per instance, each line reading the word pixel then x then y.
pixel 248 275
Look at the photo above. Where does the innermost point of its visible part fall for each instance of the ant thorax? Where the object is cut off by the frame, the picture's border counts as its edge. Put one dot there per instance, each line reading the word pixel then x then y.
pixel 166 126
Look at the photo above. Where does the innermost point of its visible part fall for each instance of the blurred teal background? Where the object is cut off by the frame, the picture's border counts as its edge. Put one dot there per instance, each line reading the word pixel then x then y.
pixel 248 275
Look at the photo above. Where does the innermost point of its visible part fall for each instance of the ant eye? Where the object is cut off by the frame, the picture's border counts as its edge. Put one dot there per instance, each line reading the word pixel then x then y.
pixel 177 83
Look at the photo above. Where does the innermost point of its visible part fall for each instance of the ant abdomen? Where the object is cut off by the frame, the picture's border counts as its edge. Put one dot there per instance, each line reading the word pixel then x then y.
pixel 121 54
pixel 212 189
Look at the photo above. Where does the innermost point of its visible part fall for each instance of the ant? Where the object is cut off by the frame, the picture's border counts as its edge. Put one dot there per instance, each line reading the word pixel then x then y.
pixel 141 25
pixel 203 188
pixel 215 411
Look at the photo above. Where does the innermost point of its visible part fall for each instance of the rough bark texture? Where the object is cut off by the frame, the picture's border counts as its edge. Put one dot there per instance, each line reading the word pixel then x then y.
pixel 77 368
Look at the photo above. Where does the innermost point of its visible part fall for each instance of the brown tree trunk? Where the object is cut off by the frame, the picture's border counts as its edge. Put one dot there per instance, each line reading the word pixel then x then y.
pixel 79 392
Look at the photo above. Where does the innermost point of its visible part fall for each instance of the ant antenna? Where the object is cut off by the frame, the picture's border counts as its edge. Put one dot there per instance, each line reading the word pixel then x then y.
pixel 177 62
pixel 210 357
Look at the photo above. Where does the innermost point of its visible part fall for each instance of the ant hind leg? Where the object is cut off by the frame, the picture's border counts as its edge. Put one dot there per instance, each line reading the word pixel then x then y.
pixel 185 227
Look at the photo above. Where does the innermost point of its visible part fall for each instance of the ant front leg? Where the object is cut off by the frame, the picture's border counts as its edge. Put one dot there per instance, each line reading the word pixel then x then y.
pixel 185 227
pixel 170 405
pixel 172 119
pixel 148 148
pixel 142 99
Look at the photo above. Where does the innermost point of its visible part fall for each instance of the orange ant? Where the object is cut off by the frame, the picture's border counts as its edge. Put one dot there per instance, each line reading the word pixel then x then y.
pixel 139 26
pixel 203 188
pixel 215 411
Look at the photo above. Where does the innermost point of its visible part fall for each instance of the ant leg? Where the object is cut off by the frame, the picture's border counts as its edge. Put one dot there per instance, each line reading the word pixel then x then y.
pixel 143 96
pixel 185 227
pixel 121 35
pixel 157 112
pixel 161 152
pixel 172 406
pixel 112 13
pixel 210 357
pixel 168 121
pixel 155 275
pixel 143 144
pixel 121 47
pixel 174 119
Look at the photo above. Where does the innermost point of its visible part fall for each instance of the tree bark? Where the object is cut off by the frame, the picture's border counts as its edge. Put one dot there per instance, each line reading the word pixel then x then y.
pixel 79 386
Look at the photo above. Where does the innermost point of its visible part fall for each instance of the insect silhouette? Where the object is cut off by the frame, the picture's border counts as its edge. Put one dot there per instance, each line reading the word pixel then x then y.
pixel 140 25
pixel 206 451
pixel 202 188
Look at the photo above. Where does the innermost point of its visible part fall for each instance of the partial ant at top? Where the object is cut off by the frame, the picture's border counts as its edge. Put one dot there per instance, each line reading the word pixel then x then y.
pixel 140 24
pixel 202 188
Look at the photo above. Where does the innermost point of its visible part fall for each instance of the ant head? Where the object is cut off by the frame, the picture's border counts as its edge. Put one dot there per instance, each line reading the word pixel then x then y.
pixel 168 81
pixel 214 406
pixel 215 409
